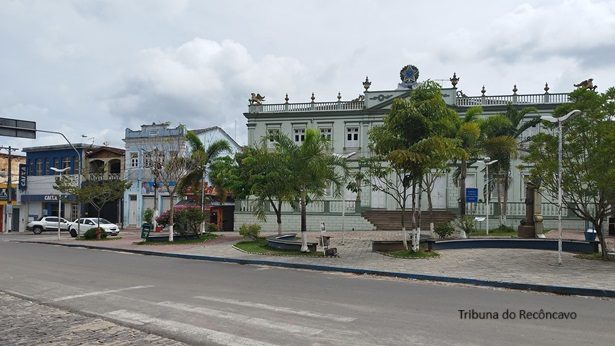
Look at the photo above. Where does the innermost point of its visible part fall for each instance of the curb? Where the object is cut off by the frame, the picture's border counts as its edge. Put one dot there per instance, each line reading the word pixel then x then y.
pixel 563 290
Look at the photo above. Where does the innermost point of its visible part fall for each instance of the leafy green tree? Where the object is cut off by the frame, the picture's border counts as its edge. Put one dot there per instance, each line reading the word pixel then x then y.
pixel 415 138
pixel 313 167
pixel 264 173
pixel 588 158
pixel 94 192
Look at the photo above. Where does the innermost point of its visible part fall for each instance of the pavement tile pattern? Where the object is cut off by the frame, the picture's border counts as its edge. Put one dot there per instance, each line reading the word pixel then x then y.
pixel 28 323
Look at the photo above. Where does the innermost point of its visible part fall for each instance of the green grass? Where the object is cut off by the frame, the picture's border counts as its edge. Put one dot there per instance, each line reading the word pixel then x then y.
pixel 259 247
pixel 589 256
pixel 101 239
pixel 495 232
pixel 204 238
pixel 412 254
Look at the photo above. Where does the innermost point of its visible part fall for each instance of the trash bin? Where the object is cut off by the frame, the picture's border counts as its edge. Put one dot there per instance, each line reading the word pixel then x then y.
pixel 324 240
pixel 145 229
pixel 590 234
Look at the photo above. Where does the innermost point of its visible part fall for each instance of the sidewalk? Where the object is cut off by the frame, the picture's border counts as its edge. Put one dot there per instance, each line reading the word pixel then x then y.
pixel 516 266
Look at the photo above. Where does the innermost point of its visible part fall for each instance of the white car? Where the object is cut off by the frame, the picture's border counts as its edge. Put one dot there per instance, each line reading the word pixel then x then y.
pixel 84 224
pixel 47 223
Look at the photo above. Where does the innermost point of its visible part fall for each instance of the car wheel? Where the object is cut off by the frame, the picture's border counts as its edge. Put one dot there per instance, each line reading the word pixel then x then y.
pixel 37 230
pixel 73 232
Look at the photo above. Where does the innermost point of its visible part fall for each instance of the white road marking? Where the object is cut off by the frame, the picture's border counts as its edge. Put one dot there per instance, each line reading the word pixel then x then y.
pixel 279 309
pixel 99 293
pixel 214 336
pixel 259 322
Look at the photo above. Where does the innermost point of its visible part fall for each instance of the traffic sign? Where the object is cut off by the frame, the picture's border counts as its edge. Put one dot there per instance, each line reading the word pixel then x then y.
pixel 17 128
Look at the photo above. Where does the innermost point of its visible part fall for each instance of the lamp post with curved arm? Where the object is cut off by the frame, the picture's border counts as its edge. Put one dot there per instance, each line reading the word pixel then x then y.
pixel 57 170
pixel 559 122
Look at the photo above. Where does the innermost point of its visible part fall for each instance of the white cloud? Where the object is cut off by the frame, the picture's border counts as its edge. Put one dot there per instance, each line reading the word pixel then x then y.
pixel 199 83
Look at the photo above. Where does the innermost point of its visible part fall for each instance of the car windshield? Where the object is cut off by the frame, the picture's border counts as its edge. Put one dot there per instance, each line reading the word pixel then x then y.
pixel 104 221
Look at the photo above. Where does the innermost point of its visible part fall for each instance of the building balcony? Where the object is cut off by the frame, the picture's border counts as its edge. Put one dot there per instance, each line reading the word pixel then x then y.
pixel 104 176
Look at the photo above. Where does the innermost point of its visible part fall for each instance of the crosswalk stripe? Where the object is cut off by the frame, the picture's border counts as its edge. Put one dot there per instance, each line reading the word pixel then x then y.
pixel 99 293
pixel 279 309
pixel 259 322
pixel 175 327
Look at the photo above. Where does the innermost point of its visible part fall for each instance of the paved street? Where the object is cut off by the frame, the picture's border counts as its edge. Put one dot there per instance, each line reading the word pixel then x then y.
pixel 511 265
pixel 200 302
pixel 29 323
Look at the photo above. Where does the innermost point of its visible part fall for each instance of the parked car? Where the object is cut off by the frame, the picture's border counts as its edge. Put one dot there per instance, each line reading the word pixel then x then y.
pixel 47 223
pixel 84 224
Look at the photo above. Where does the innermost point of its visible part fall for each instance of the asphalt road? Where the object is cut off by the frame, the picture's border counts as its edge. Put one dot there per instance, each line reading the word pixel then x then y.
pixel 201 302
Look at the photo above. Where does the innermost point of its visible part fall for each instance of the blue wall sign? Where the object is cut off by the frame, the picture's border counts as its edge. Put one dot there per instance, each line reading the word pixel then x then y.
pixel 471 195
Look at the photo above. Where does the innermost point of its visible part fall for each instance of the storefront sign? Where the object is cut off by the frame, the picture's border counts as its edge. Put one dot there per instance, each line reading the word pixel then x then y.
pixel 23 177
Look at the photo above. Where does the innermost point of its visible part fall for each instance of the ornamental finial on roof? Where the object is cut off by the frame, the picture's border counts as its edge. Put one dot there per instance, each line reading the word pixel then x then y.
pixel 367 83
pixel 483 90
pixel 454 80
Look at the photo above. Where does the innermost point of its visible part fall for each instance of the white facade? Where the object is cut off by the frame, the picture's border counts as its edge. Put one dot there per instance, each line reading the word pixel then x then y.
pixel 347 124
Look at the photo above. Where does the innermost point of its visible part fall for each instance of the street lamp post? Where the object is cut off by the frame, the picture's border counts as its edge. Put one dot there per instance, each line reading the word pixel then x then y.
pixel 78 169
pixel 559 122
pixel 57 170
pixel 487 164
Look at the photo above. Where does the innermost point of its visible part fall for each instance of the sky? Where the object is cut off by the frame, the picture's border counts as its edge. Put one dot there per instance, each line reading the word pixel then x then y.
pixel 91 69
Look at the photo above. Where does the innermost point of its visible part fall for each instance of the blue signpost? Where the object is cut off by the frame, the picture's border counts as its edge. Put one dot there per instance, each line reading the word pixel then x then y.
pixel 471 195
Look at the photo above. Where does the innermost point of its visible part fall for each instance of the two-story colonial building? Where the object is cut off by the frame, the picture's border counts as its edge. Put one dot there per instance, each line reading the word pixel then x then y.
pixel 347 125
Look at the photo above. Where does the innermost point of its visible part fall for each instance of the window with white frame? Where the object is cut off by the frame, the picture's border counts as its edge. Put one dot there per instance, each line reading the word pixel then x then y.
pixel 134 160
pixel 271 133
pixel 66 162
pixel 147 160
pixel 299 135
pixel 352 137
pixel 326 133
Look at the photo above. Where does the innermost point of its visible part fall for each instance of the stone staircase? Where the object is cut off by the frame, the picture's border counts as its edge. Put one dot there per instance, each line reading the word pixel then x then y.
pixel 390 220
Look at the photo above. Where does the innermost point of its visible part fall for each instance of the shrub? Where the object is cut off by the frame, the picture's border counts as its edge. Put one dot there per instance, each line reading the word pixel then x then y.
pixel 445 230
pixel 187 219
pixel 466 223
pixel 148 215
pixel 95 233
pixel 212 227
pixel 250 231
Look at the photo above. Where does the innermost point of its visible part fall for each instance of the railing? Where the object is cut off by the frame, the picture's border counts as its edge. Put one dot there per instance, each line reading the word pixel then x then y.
pixel 512 209
pixel 531 99
pixel 314 207
pixel 307 107
pixel 104 176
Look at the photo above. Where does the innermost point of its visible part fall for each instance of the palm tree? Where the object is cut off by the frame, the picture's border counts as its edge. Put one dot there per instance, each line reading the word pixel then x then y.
pixel 202 156
pixel 468 135
pixel 500 141
pixel 264 173
pixel 313 167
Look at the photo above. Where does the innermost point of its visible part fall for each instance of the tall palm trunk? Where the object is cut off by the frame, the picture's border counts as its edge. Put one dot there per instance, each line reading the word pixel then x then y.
pixel 413 215
pixel 418 232
pixel 302 202
pixel 462 187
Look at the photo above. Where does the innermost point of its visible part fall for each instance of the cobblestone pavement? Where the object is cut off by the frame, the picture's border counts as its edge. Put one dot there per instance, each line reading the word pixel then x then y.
pixel 511 265
pixel 27 323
